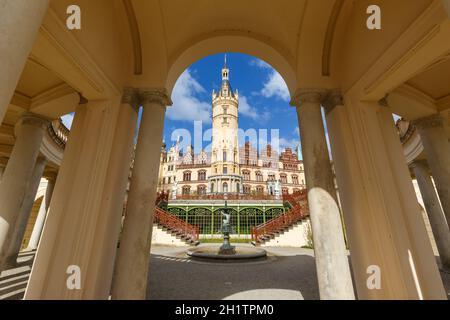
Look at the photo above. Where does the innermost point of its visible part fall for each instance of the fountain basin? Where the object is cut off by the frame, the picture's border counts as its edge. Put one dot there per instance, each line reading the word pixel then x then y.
pixel 213 253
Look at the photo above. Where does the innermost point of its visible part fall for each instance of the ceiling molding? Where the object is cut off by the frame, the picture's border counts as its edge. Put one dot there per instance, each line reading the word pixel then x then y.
pixel 329 37
pixel 444 103
pixel 52 94
pixel 425 40
pixel 58 50
pixel 135 36
pixel 21 100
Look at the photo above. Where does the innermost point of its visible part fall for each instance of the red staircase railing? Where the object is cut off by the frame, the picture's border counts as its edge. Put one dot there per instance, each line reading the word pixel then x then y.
pixel 176 225
pixel 298 211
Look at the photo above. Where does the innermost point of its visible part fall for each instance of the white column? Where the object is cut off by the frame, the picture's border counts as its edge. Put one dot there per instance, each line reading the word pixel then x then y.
pixel 131 273
pixel 13 186
pixel 14 241
pixel 438 223
pixel 384 226
pixel 437 149
pixel 19 24
pixel 43 209
pixel 330 253
pixel 83 221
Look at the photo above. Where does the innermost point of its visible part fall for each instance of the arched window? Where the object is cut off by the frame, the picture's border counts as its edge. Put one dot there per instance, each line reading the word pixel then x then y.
pixel 201 190
pixel 186 190
pixel 260 190
pixel 212 187
pixel 238 187
pixel 285 190
pixel 283 178
pixel 247 189
pixel 202 175
pixel 295 179
pixel 246 175
pixel 225 187
pixel 187 176
pixel 259 176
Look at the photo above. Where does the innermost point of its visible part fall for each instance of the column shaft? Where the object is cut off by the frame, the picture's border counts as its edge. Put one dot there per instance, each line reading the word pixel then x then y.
pixel 19 25
pixel 332 266
pixel 438 223
pixel 86 207
pixel 437 149
pixel 386 233
pixel 39 224
pixel 16 236
pixel 18 172
pixel 131 273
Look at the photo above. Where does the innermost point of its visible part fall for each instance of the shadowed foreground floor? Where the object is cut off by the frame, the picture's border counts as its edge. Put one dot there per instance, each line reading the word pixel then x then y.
pixel 288 275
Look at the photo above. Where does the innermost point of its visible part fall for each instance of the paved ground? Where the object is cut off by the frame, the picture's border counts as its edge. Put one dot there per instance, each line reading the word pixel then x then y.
pixel 290 276
pixel 289 273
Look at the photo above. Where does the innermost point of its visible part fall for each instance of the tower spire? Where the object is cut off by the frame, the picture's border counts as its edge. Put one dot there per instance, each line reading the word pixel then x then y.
pixel 225 70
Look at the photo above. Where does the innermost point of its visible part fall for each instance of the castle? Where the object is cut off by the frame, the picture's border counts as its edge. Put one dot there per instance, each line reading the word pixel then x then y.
pixel 228 168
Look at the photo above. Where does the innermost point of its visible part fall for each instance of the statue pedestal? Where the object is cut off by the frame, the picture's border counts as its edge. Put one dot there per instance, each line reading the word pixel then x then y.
pixel 226 247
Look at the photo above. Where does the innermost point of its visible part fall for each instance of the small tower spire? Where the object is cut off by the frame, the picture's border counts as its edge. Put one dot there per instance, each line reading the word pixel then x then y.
pixel 225 70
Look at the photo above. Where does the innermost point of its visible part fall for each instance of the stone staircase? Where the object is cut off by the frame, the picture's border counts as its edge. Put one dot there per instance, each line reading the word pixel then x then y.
pixel 293 236
pixel 283 226
pixel 13 281
pixel 165 236
pixel 176 228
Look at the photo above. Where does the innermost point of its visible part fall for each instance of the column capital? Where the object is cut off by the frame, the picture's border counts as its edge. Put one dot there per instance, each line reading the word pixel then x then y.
pixel 432 121
pixel 308 95
pixel 155 95
pixel 51 176
pixel 333 99
pixel 35 120
pixel 130 96
pixel 383 102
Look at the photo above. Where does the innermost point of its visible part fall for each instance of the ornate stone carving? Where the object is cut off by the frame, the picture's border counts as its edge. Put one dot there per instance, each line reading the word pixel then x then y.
pixel 155 95
pixel 83 100
pixel 384 102
pixel 308 95
pixel 333 99
pixel 32 119
pixel 434 120
pixel 51 176
pixel 137 97
pixel 130 96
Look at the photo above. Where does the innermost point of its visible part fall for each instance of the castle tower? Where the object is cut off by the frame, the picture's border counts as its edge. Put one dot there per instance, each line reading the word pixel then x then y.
pixel 225 149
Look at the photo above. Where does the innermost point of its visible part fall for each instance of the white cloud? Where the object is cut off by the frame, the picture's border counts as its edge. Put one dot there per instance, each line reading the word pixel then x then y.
pixel 68 120
pixel 289 143
pixel 260 64
pixel 248 111
pixel 186 105
pixel 275 87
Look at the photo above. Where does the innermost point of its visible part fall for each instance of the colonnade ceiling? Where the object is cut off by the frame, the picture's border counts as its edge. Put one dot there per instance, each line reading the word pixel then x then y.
pixel 313 44
pixel 435 83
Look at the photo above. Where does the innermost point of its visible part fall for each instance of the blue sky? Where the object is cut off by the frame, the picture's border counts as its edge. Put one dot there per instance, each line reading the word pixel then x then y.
pixel 263 98
pixel 263 104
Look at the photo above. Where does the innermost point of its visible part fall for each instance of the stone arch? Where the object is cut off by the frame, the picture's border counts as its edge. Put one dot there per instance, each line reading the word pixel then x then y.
pixel 251 45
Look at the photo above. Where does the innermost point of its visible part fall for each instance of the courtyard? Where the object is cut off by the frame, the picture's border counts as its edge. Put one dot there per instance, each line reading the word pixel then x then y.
pixel 287 274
